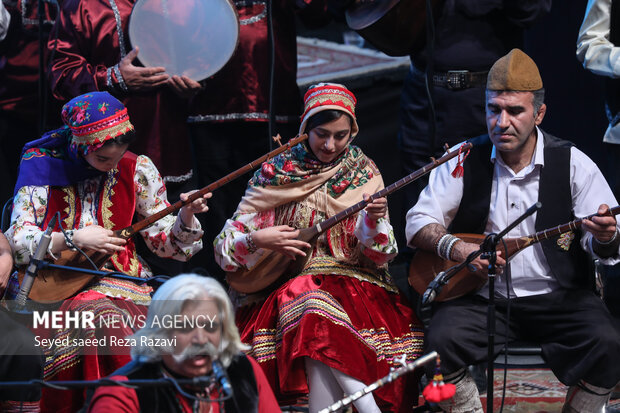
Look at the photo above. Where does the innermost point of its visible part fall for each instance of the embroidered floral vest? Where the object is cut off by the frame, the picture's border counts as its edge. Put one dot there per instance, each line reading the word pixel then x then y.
pixel 116 204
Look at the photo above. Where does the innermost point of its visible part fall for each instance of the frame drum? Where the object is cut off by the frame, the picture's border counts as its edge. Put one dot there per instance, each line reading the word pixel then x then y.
pixel 193 38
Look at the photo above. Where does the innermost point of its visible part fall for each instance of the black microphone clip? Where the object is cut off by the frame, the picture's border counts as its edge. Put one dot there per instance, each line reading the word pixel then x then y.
pixel 434 288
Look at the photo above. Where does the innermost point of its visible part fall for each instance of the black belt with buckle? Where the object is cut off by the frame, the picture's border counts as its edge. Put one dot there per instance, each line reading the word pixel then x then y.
pixel 460 79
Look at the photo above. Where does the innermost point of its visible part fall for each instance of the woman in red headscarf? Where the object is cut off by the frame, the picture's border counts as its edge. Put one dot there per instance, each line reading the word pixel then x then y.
pixel 341 323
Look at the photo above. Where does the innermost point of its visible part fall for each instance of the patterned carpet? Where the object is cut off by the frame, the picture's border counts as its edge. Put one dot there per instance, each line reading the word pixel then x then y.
pixel 531 391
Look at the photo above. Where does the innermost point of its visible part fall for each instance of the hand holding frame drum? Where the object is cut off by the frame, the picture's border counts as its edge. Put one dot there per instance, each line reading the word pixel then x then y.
pixel 193 38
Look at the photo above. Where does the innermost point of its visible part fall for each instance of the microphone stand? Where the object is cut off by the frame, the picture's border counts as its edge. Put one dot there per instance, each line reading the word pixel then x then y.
pixel 489 249
pixel 489 246
pixel 15 307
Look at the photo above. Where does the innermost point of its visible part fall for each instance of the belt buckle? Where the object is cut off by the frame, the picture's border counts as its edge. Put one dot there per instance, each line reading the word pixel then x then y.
pixel 455 79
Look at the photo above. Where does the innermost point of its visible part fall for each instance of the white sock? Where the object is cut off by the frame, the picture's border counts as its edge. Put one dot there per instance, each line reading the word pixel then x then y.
pixel 328 385
pixel 350 385
pixel 586 398
pixel 466 399
pixel 324 389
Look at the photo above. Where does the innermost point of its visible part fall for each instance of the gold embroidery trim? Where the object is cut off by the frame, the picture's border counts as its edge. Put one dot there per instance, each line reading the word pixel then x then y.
pixel 69 198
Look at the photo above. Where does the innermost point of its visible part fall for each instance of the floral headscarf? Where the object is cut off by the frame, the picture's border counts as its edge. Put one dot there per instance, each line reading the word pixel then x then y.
pixel 57 158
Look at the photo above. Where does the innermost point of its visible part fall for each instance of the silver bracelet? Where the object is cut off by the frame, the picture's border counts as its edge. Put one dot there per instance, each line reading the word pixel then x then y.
pixel 109 82
pixel 612 239
pixel 251 245
pixel 119 77
pixel 69 239
pixel 445 244
pixel 453 242
pixel 441 243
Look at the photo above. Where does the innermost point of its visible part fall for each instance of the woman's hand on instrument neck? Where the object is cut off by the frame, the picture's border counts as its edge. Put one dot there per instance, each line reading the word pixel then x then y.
pixel 138 78
pixel 282 239
pixel 92 237
pixel 196 207
pixel 462 249
pixel 377 208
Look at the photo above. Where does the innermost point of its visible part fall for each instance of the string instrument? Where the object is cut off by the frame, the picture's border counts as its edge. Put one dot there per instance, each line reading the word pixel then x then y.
pixel 396 27
pixel 56 284
pixel 426 265
pixel 272 265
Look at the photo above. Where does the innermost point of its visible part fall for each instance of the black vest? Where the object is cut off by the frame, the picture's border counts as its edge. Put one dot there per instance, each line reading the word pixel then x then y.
pixel 568 267
pixel 163 399
pixel 612 86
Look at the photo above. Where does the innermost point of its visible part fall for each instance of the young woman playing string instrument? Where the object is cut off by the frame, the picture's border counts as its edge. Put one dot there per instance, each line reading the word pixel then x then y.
pixel 85 172
pixel 341 322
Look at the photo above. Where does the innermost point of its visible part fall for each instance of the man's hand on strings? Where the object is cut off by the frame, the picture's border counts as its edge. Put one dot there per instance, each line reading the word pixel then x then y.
pixel 282 239
pixel 602 226
pixel 462 249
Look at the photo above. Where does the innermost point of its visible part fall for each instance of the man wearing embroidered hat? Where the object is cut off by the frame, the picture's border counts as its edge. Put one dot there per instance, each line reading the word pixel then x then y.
pixel 85 172
pixel 547 284
pixel 341 322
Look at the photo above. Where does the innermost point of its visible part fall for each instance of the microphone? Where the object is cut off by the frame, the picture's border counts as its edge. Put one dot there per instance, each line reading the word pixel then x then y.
pixel 222 378
pixel 33 265
pixel 433 288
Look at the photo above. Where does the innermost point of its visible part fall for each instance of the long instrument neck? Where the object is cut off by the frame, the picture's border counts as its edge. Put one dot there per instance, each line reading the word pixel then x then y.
pixel 129 231
pixel 330 222
pixel 560 229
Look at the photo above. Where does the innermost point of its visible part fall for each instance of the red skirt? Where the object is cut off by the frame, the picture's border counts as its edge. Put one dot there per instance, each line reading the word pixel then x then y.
pixel 353 326
pixel 86 363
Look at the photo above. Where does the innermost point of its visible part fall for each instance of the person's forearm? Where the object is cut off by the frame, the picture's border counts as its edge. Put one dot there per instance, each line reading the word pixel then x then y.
pixel 428 237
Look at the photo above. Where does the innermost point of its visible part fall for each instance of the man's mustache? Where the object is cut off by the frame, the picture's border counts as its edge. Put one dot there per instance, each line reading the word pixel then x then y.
pixel 193 350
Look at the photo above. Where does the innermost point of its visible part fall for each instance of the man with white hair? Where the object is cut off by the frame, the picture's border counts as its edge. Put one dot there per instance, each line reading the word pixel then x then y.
pixel 190 325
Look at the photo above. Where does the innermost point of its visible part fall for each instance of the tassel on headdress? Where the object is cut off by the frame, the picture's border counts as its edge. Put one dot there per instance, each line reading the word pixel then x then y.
pixel 437 391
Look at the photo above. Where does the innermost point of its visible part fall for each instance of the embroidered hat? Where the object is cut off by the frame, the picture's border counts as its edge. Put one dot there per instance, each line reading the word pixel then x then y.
pixel 326 96
pixel 516 71
pixel 95 118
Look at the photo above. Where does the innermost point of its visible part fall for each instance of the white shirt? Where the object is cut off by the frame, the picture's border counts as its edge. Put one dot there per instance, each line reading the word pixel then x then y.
pixel 597 53
pixel 511 194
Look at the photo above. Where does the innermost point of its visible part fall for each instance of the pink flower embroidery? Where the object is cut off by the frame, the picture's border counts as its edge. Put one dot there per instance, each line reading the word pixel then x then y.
pixel 240 252
pixel 238 225
pixel 341 186
pixel 370 223
pixel 376 256
pixel 288 166
pixel 381 238
pixel 79 117
pixel 264 220
pixel 267 170
pixel 158 240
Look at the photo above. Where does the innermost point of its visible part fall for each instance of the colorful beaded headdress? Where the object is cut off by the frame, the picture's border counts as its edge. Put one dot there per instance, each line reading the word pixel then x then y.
pixel 326 96
pixel 95 118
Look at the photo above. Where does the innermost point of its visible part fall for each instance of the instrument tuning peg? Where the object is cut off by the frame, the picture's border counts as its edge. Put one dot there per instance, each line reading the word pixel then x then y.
pixel 277 139
pixel 446 147
pixel 433 159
